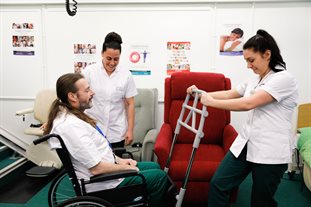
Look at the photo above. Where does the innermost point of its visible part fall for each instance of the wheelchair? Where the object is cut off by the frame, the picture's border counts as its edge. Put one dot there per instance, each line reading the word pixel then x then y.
pixel 67 190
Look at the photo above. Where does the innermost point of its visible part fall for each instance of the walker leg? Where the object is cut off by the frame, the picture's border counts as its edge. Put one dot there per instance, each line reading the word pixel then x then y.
pixel 196 142
pixel 180 197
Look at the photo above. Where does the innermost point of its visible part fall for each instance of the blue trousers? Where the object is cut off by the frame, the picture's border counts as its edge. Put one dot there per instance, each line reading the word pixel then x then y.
pixel 232 171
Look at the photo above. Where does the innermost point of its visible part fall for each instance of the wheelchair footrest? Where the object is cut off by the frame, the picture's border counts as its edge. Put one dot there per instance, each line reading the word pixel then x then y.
pixel 40 171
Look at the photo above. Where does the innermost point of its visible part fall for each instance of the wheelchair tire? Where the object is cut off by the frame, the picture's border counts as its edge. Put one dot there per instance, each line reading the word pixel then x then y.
pixel 85 201
pixel 60 190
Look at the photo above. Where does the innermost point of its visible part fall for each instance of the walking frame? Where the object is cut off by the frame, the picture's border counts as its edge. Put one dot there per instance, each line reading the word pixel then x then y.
pixel 198 135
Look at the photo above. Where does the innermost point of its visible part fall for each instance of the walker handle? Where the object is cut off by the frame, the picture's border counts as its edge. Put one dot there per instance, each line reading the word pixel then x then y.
pixel 197 91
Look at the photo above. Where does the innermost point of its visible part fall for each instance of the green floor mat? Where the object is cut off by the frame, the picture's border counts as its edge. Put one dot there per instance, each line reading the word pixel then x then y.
pixel 18 188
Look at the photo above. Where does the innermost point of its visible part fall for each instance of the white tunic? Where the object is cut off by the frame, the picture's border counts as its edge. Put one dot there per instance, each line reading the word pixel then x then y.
pixel 86 146
pixel 268 129
pixel 109 99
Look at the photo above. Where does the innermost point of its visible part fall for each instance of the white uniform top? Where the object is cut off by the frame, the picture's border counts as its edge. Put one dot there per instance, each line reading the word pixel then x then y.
pixel 268 129
pixel 86 146
pixel 109 99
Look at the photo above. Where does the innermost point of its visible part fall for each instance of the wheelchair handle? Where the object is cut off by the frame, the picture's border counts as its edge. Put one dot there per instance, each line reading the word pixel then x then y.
pixel 45 138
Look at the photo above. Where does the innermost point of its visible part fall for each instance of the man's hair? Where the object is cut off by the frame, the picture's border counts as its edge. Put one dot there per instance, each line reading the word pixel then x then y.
pixel 64 85
pixel 238 31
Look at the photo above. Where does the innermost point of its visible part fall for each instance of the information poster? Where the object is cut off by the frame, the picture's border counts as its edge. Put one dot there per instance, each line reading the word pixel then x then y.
pixel 23 39
pixel 178 57
pixel 140 60
pixel 84 55
pixel 231 40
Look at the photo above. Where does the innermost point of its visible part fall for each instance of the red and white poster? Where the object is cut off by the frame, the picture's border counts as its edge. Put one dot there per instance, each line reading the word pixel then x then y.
pixel 178 57
pixel 139 58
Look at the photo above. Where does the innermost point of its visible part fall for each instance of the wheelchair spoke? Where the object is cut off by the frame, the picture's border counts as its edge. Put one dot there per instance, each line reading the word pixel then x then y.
pixel 60 190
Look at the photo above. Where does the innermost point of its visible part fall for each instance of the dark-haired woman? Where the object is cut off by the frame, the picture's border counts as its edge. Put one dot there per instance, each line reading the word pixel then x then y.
pixel 263 146
pixel 114 89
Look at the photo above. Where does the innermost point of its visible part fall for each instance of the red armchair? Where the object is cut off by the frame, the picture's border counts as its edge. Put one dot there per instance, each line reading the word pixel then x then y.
pixel 218 134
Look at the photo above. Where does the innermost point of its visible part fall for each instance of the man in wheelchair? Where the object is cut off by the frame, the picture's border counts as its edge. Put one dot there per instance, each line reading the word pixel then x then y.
pixel 90 152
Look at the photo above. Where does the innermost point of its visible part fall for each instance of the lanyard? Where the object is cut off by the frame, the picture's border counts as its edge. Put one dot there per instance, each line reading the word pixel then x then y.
pixel 101 132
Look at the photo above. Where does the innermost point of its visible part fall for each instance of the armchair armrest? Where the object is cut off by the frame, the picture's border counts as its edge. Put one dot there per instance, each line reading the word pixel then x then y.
pixel 163 144
pixel 24 111
pixel 114 175
pixel 229 136
pixel 148 145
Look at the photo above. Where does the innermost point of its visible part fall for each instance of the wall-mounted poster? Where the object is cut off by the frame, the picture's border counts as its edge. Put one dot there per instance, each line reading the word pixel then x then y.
pixel 231 40
pixel 178 57
pixel 23 39
pixel 139 58
pixel 84 55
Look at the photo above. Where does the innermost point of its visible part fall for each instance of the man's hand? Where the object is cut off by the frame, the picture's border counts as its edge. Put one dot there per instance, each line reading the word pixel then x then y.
pixel 43 126
pixel 129 162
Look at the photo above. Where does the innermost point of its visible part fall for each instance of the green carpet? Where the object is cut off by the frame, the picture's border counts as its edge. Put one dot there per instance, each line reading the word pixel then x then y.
pixel 21 188
pixel 289 194
pixel 39 200
pixel 6 158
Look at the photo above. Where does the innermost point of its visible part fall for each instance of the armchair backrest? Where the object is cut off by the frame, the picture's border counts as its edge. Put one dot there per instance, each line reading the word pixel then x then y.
pixel 175 94
pixel 304 115
pixel 42 105
pixel 145 109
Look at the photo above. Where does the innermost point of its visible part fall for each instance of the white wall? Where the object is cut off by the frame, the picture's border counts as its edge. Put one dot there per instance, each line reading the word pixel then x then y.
pixel 152 24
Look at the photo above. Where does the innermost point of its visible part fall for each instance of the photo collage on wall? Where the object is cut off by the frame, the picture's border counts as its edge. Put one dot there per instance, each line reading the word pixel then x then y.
pixel 23 39
pixel 84 55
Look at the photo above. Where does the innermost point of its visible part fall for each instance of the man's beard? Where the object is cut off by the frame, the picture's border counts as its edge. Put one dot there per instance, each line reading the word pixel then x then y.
pixel 86 105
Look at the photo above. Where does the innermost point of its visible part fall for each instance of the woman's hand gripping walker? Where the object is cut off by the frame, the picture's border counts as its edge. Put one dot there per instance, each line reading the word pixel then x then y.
pixel 198 135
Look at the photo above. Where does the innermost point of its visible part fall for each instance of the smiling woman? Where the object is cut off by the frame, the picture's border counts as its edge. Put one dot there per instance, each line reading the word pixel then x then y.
pixel 114 90
pixel 263 145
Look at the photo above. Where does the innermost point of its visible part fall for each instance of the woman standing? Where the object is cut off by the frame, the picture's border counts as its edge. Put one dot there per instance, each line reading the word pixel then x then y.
pixel 263 146
pixel 114 90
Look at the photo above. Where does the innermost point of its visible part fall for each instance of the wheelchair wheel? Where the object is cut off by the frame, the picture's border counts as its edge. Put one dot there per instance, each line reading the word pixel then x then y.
pixel 60 190
pixel 85 201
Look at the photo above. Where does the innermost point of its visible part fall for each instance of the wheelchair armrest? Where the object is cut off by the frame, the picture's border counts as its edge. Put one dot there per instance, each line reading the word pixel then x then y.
pixel 114 175
pixel 24 111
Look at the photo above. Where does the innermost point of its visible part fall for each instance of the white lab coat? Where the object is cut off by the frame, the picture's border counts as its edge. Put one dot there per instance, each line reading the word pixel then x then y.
pixel 109 99
pixel 268 128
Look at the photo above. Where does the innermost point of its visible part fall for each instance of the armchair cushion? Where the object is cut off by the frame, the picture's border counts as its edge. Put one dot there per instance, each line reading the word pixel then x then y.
pixel 304 144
